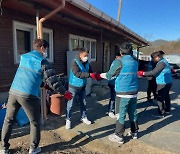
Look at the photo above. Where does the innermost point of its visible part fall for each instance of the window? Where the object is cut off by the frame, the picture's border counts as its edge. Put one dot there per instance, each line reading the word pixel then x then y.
pixel 76 42
pixel 24 34
pixel 93 50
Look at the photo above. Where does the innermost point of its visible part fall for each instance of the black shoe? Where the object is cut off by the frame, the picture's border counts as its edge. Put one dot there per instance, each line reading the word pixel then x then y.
pixel 150 100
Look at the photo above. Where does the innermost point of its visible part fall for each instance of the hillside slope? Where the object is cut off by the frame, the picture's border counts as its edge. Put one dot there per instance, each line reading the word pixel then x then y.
pixel 169 47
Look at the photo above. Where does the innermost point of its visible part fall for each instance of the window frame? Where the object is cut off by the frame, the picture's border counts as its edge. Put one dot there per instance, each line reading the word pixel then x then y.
pixel 80 38
pixel 32 29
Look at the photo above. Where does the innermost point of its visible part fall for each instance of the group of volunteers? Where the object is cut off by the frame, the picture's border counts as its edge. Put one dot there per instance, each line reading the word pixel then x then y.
pixel 34 69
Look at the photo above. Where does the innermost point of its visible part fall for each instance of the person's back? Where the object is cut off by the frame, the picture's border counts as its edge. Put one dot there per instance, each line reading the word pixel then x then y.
pixel 25 92
pixel 126 87
pixel 127 82
pixel 29 76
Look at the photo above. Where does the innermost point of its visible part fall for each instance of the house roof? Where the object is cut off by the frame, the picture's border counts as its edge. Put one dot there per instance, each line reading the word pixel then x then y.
pixel 101 15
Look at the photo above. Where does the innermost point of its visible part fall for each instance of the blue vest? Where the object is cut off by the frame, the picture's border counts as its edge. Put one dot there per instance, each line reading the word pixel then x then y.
pixel 165 76
pixel 75 81
pixel 29 75
pixel 127 81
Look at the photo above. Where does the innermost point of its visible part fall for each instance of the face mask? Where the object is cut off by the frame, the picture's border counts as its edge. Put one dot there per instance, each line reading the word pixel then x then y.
pixel 45 53
pixel 84 59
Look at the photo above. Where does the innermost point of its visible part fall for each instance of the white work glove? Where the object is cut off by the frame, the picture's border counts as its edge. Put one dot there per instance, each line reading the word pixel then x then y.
pixel 103 75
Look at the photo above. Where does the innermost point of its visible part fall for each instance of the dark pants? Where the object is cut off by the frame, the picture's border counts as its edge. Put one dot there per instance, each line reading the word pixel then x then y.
pixel 152 86
pixel 111 106
pixel 127 105
pixel 81 94
pixel 163 98
pixel 31 107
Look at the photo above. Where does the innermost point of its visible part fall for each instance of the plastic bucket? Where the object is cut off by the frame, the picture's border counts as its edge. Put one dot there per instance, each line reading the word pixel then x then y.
pixel 57 104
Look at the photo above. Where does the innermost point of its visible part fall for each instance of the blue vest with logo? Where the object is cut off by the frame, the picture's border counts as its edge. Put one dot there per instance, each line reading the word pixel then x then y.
pixel 29 75
pixel 127 81
pixel 164 77
pixel 75 81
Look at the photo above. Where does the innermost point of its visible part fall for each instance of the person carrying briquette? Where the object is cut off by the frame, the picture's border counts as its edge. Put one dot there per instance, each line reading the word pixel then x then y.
pixel 152 86
pixel 126 87
pixel 80 70
pixel 111 85
pixel 25 92
pixel 163 75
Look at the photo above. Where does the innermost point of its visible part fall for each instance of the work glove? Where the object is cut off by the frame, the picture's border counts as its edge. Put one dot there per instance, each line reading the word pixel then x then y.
pixel 140 73
pixel 47 87
pixel 103 75
pixel 68 95
pixel 98 76
pixel 93 76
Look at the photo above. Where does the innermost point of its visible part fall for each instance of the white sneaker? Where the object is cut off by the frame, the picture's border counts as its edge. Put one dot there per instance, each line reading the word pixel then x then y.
pixel 86 121
pixel 68 124
pixel 35 151
pixel 111 115
pixel 4 151
pixel 133 135
pixel 117 116
pixel 113 137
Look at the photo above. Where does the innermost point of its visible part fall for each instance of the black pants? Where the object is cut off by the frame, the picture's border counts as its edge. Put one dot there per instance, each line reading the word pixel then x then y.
pixel 111 106
pixel 163 98
pixel 31 107
pixel 152 86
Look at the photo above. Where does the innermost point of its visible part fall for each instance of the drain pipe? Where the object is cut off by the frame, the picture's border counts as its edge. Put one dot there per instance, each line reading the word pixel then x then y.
pixel 40 34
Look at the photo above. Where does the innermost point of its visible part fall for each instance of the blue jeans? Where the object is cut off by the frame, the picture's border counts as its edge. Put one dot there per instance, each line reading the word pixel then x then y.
pixel 112 98
pixel 82 94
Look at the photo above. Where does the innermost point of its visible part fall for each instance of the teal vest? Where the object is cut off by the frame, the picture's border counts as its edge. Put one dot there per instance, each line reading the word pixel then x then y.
pixel 29 75
pixel 127 81
pixel 165 76
pixel 75 81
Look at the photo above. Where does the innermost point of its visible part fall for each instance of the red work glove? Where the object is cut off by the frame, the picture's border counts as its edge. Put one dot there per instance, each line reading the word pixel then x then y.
pixel 98 77
pixel 140 73
pixel 47 87
pixel 68 95
pixel 93 76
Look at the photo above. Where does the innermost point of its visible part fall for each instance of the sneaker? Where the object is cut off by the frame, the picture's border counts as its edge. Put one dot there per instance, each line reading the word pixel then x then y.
pixel 35 151
pixel 117 116
pixel 4 151
pixel 113 137
pixel 68 124
pixel 111 115
pixel 86 121
pixel 133 135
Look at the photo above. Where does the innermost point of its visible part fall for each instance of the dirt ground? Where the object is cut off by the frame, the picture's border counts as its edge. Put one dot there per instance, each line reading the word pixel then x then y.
pixel 51 142
pixel 55 139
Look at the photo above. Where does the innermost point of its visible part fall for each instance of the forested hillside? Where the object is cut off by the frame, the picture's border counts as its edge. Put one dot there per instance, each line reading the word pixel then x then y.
pixel 169 47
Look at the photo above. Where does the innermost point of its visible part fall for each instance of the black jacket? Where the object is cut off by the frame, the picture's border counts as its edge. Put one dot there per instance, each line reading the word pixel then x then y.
pixel 77 72
pixel 50 78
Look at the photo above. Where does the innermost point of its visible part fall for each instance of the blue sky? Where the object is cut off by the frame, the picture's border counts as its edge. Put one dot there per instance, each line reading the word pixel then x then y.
pixel 151 19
